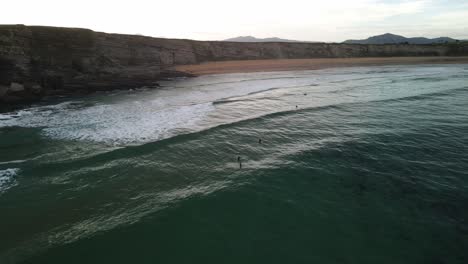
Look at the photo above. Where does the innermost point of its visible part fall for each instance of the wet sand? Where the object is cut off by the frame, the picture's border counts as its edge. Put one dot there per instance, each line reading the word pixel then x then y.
pixel 308 64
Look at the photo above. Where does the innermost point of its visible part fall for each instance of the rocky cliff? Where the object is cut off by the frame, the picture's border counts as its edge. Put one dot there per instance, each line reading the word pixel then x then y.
pixel 38 61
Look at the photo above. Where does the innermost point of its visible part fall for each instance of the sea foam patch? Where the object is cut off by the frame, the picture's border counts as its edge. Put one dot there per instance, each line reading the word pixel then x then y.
pixel 7 179
pixel 146 116
pixel 139 117
pixel 124 123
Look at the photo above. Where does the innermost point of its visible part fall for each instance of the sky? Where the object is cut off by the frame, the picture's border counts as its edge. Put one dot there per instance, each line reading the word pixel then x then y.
pixel 308 20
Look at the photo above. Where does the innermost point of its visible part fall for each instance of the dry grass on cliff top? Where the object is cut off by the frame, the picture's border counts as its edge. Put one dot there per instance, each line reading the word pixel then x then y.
pixel 307 64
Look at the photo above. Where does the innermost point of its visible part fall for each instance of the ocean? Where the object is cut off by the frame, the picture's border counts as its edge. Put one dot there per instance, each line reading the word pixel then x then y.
pixel 344 165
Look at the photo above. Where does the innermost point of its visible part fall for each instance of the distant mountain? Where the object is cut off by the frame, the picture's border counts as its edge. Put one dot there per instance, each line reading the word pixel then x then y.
pixel 396 39
pixel 254 39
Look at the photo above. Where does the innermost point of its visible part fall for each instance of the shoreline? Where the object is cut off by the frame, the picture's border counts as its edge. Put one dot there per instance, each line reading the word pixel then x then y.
pixel 244 66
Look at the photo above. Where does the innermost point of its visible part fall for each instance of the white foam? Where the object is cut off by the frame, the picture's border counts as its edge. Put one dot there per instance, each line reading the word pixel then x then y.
pixel 129 123
pixel 137 117
pixel 12 161
pixel 5 117
pixel 7 179
pixel 151 115
pixel 119 123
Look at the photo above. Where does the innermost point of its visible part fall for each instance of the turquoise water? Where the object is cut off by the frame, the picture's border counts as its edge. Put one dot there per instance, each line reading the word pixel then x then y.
pixel 371 167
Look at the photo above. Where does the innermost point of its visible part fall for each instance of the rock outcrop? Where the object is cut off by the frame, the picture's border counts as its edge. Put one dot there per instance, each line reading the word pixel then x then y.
pixel 38 61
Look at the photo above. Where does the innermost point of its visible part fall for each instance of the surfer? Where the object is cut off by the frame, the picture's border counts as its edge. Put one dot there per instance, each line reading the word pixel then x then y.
pixel 240 162
pixel 260 141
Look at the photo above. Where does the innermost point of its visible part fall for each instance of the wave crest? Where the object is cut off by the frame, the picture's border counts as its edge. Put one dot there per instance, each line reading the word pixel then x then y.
pixel 7 179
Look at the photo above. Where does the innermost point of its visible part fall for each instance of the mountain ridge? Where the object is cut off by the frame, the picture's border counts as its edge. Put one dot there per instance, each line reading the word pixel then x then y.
pixel 389 38
pixel 255 39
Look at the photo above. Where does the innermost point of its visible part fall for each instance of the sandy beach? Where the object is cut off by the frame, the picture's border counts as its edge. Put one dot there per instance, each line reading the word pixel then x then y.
pixel 308 64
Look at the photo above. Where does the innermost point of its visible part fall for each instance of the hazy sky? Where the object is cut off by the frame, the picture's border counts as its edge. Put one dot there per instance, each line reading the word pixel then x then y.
pixel 331 20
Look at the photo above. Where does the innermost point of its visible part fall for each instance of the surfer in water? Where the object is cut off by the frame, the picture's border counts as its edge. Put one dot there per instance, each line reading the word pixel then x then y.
pixel 240 162
pixel 260 141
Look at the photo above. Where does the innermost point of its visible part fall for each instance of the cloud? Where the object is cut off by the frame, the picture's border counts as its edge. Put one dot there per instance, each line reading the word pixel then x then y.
pixel 330 20
pixel 453 18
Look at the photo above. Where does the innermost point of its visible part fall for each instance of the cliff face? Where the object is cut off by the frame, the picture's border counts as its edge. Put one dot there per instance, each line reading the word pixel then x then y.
pixel 39 61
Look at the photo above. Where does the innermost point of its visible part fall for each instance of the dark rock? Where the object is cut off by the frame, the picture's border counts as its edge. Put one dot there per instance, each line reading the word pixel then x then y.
pixel 36 89
pixel 3 90
pixel 13 99
pixel 16 87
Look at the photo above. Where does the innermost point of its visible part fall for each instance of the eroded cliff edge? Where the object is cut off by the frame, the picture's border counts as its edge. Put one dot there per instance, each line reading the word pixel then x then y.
pixel 38 61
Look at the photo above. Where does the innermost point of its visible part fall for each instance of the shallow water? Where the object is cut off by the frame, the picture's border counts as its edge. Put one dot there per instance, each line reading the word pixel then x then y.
pixel 370 167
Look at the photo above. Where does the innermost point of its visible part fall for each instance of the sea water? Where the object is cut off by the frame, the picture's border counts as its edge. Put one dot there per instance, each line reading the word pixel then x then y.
pixel 355 165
